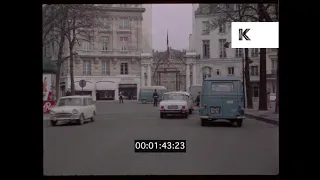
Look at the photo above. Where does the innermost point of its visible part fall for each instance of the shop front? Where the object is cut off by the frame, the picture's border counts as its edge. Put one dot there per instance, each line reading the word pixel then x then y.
pixel 108 88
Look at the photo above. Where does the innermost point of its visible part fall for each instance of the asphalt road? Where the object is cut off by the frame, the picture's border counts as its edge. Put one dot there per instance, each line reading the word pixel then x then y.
pixel 106 146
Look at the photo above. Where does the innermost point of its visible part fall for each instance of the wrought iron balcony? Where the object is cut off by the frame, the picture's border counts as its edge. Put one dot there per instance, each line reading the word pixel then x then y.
pixel 108 53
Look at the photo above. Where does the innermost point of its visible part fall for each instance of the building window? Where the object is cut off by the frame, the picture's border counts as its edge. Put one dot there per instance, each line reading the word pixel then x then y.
pixel 222 28
pixel 206 72
pixel 273 87
pixel 104 43
pixel 218 72
pixel 88 45
pixel 254 52
pixel 124 68
pixel 52 47
pixel 206 48
pixel 255 91
pixel 205 27
pixel 230 70
pixel 124 43
pixel 223 53
pixel 239 52
pixel 106 23
pixel 124 23
pixel 230 7
pixel 105 67
pixel 254 70
pixel 273 66
pixel 86 67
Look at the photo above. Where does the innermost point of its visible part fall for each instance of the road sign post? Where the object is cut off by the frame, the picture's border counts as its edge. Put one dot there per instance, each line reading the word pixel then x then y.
pixel 82 84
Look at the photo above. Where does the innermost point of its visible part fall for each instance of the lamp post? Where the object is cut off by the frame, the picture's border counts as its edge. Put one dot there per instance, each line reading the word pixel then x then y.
pixel 226 45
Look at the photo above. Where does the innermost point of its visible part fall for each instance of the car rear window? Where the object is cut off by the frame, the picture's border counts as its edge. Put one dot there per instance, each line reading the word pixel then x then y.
pixel 222 87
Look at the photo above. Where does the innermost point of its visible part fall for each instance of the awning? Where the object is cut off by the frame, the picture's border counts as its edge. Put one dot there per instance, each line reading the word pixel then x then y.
pixel 127 85
pixel 101 86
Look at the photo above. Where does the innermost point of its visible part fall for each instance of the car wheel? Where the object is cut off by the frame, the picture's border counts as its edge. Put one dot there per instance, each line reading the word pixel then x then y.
pixel 162 115
pixel 53 123
pixel 80 121
pixel 234 123
pixel 93 116
pixel 203 122
pixel 190 111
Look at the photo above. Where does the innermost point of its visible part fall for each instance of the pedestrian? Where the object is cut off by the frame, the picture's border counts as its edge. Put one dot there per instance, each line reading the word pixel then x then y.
pixel 120 97
pixel 155 98
pixel 198 99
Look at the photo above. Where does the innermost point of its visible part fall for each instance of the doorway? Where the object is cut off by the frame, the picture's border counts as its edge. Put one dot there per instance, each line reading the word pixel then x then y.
pixel 105 95
pixel 129 91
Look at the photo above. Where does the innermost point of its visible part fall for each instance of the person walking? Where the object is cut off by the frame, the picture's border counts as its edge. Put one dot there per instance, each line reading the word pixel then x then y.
pixel 121 97
pixel 198 99
pixel 155 98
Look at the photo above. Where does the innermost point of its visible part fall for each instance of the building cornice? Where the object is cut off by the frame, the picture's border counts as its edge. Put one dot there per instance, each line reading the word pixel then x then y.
pixel 121 9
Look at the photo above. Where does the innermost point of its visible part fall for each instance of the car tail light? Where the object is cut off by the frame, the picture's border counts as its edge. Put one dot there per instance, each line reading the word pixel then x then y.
pixel 162 107
pixel 205 106
pixel 183 107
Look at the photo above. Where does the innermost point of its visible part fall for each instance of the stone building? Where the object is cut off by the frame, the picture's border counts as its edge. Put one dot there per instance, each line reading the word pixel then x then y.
pixel 111 63
pixel 214 58
pixel 169 72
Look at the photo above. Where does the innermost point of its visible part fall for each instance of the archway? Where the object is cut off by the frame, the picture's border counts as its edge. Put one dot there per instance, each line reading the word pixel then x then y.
pixel 206 72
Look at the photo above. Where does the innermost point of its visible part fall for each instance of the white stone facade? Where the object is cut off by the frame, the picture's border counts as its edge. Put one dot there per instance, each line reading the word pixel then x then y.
pixel 215 59
pixel 113 62
pixel 147 29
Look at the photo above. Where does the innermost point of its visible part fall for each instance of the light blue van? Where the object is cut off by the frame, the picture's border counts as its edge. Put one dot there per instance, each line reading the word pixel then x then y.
pixel 222 98
pixel 146 93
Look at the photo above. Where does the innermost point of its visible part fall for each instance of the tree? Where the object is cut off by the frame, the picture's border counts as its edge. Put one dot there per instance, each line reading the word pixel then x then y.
pixel 223 15
pixel 69 22
pixel 270 13
pixel 227 13
pixel 54 29
pixel 82 22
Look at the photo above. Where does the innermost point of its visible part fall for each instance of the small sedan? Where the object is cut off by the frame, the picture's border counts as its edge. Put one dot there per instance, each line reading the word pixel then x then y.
pixel 174 103
pixel 76 109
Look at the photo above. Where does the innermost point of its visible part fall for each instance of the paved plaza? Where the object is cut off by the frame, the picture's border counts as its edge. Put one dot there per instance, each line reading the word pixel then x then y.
pixel 106 146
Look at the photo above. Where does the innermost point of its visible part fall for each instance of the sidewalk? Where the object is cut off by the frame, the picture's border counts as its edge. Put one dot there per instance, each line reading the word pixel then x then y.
pixel 267 116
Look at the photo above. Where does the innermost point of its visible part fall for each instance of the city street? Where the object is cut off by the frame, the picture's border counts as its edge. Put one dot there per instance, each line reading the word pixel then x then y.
pixel 106 146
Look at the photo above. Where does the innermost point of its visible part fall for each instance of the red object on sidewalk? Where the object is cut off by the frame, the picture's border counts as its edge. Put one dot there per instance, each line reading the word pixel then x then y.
pixel 47 105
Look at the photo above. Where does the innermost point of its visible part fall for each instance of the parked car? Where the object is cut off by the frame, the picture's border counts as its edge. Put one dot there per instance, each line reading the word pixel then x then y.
pixel 73 109
pixel 176 103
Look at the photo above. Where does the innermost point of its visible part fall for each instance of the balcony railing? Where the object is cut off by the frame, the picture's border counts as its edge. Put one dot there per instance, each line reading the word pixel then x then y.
pixel 77 73
pixel 108 52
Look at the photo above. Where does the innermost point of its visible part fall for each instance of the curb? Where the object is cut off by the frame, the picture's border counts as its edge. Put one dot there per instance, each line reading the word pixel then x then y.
pixel 259 118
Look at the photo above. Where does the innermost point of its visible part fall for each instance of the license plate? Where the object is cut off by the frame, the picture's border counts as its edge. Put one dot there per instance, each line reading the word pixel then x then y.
pixel 64 116
pixel 215 110
pixel 172 107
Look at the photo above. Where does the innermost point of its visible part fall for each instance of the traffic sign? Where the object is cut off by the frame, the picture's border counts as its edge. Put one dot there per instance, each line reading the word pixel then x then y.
pixel 82 83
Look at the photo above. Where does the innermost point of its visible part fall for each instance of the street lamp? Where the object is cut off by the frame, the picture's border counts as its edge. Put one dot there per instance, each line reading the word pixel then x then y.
pixel 226 45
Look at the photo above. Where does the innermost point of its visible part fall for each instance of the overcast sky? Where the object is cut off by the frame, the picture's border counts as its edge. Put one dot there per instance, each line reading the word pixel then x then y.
pixel 177 19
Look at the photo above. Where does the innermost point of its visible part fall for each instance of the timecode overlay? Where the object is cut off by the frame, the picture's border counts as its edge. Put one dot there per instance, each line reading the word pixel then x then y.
pixel 160 146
